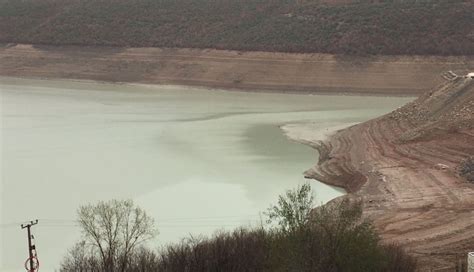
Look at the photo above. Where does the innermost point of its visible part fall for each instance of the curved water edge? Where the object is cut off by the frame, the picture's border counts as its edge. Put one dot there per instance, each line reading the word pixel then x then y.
pixel 315 137
pixel 196 160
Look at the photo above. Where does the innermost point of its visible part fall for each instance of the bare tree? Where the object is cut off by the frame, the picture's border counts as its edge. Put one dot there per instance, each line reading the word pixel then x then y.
pixel 80 258
pixel 113 230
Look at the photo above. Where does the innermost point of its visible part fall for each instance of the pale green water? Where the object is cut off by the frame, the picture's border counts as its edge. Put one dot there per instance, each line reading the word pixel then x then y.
pixel 196 160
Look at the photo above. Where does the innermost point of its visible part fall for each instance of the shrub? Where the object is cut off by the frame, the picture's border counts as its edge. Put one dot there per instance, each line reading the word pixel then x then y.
pixel 466 169
pixel 331 238
pixel 335 239
pixel 293 208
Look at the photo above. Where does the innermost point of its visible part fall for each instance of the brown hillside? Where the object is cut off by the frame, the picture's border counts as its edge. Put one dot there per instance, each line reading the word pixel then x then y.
pixel 405 168
pixel 283 72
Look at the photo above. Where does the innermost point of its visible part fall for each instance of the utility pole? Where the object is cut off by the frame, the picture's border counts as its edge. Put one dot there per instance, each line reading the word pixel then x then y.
pixel 31 247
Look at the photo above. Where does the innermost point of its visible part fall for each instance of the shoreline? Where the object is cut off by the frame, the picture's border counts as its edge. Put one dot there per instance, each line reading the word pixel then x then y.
pixel 309 138
pixel 232 70
pixel 86 111
pixel 316 142
pixel 410 190
pixel 199 87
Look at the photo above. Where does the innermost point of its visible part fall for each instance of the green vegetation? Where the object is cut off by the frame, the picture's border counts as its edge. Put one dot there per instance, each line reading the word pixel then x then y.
pixel 362 27
pixel 329 238
pixel 293 210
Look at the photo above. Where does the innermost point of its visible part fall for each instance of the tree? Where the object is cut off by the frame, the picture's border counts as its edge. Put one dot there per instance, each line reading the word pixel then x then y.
pixel 293 209
pixel 80 259
pixel 111 231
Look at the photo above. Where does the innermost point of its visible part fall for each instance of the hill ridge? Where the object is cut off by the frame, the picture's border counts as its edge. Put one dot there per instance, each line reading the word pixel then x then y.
pixel 363 28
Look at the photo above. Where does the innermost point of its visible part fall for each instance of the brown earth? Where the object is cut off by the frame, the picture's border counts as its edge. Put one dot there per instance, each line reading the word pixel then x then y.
pixel 283 72
pixel 404 168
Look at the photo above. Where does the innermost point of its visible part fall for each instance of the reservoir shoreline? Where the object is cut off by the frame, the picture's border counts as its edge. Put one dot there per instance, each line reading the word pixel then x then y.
pixel 233 70
pixel 319 144
pixel 137 139
pixel 207 88
pixel 355 158
pixel 410 187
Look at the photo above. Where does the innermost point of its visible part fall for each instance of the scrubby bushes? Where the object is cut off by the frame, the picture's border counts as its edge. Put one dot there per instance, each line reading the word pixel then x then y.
pixel 330 238
pixel 361 27
pixel 240 250
pixel 466 169
pixel 335 240
pixel 259 249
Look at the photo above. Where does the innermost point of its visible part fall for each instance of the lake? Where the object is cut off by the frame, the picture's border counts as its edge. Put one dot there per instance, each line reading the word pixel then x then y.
pixel 196 160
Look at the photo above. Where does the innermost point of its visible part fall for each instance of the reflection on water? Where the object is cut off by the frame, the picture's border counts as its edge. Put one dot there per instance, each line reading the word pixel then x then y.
pixel 196 160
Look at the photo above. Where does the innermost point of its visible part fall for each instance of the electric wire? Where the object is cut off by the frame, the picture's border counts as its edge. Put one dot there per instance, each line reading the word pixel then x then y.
pixel 170 222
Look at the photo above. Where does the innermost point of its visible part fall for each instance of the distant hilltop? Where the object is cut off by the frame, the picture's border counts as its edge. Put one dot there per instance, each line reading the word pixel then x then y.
pixel 337 27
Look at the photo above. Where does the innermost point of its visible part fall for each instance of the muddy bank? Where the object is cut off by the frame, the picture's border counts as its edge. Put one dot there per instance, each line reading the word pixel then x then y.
pixel 279 72
pixel 404 168
pixel 319 140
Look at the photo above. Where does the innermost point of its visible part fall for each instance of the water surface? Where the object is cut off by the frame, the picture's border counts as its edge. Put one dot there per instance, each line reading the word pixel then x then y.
pixel 197 160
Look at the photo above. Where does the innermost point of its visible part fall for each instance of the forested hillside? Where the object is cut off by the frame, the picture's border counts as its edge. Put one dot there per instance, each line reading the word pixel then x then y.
pixel 347 27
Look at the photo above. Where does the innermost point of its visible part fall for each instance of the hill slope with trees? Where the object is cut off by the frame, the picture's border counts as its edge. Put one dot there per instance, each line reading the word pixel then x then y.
pixel 361 27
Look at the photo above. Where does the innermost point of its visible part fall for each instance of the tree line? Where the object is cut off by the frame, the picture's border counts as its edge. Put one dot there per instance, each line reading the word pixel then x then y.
pixel 296 237
pixel 360 27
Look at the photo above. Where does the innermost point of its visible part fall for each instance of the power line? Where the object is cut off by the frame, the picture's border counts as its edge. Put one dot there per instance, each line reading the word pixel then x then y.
pixel 165 222
pixel 10 224
pixel 159 227
pixel 173 218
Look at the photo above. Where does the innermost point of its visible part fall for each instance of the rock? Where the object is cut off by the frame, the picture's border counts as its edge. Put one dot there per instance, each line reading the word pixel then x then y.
pixel 441 166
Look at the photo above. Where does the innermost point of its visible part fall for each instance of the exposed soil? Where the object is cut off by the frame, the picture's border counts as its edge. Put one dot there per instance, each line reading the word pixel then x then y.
pixel 404 166
pixel 282 72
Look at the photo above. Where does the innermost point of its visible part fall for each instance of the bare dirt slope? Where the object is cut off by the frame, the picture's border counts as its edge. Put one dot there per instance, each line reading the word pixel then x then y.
pixel 404 166
pixel 231 69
